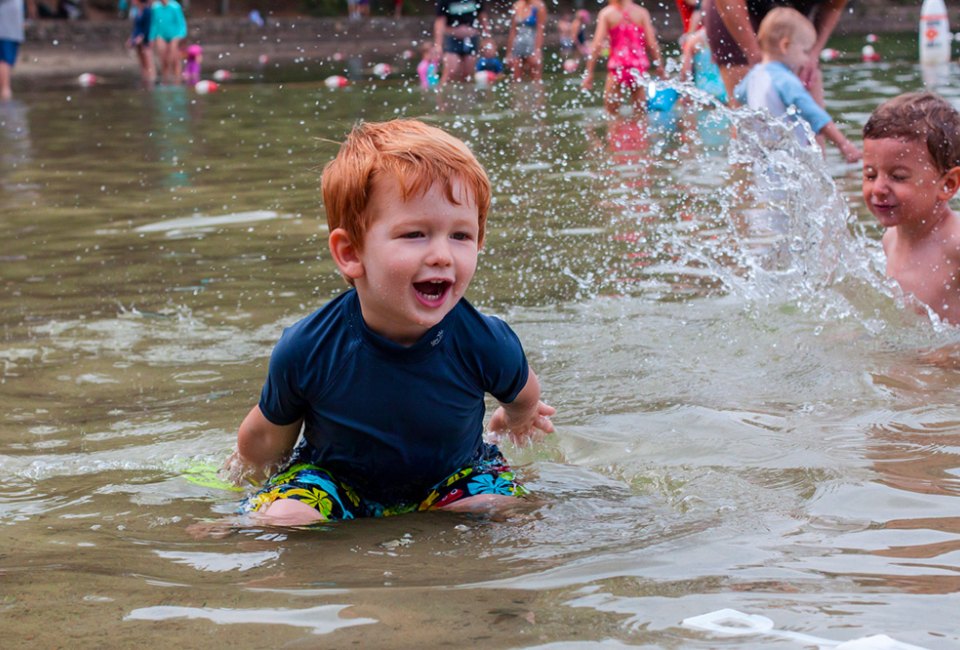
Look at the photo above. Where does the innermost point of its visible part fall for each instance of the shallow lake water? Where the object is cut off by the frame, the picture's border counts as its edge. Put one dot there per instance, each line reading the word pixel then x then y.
pixel 749 417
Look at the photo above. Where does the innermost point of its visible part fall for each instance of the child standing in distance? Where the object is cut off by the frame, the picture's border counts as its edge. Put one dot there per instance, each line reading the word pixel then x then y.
pixel 191 69
pixel 633 50
pixel 388 380
pixel 168 28
pixel 786 39
pixel 489 61
pixel 428 68
pixel 911 170
pixel 528 19
pixel 140 41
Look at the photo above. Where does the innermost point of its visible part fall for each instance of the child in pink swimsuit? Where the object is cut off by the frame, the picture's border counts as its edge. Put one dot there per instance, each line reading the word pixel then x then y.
pixel 633 46
pixel 628 52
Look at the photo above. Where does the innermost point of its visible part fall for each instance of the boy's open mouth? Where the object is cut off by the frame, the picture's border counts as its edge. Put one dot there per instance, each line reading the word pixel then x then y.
pixel 432 290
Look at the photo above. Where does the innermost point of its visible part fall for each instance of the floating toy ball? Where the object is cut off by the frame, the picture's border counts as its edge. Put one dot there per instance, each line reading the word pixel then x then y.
pixel 872 38
pixel 382 70
pixel 869 55
pixel 87 79
pixel 570 65
pixel 335 81
pixel 205 86
pixel 661 98
pixel 263 59
pixel 222 75
pixel 484 78
pixel 829 54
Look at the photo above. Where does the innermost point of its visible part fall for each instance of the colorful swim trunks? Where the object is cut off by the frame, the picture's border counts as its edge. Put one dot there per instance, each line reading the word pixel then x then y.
pixel 337 500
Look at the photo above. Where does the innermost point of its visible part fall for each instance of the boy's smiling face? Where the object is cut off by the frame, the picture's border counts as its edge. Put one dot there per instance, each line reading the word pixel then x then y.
pixel 417 260
pixel 901 184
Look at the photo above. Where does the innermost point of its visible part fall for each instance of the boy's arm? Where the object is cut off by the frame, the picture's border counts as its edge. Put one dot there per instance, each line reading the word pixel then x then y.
pixel 261 447
pixel 793 92
pixel 524 416
pixel 850 151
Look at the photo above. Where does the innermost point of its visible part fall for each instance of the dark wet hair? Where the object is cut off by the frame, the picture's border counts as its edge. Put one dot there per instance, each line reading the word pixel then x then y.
pixel 919 117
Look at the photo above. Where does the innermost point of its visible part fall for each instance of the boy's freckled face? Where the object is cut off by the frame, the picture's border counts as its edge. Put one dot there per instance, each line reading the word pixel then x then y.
pixel 418 258
pixel 900 182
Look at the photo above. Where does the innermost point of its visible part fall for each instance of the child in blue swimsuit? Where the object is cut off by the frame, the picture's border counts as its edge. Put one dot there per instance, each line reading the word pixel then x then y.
pixel 167 28
pixel 139 40
pixel 374 404
pixel 525 40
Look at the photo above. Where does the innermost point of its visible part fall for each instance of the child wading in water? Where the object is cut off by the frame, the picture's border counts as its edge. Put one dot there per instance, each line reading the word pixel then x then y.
pixel 633 50
pixel 911 170
pixel 140 41
pixel 387 381
pixel 786 39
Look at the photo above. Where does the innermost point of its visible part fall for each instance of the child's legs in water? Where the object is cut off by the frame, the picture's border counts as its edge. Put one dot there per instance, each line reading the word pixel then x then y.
pixel 162 46
pixel 290 512
pixel 615 89
pixel 304 493
pixel 176 61
pixel 611 94
pixel 147 70
pixel 5 92
pixel 168 53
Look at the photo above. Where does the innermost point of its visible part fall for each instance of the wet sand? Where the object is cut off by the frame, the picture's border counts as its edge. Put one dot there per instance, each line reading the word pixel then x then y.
pixel 58 48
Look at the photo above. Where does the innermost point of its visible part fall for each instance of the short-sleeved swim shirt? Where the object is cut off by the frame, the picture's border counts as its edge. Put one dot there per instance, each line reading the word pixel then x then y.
pixel 386 418
pixel 775 87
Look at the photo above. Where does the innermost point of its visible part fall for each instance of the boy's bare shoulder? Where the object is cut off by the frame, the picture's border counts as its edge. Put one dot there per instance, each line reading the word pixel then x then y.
pixel 950 235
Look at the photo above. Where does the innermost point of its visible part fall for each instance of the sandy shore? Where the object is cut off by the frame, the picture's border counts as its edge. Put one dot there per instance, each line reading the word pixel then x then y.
pixel 55 48
pixel 58 47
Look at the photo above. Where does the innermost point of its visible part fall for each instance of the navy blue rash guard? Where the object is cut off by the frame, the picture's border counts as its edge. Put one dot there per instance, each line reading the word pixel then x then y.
pixel 389 419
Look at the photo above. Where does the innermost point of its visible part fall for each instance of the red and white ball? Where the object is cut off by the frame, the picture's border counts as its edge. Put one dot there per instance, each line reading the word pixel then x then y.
pixel 335 81
pixel 869 55
pixel 88 79
pixel 205 86
pixel 484 78
pixel 829 54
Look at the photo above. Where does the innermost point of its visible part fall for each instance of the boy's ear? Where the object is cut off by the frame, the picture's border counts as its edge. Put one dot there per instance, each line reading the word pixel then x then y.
pixel 951 183
pixel 345 254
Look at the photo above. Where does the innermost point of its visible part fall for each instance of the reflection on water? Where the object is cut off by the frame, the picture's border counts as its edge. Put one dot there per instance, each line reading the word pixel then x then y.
pixel 749 415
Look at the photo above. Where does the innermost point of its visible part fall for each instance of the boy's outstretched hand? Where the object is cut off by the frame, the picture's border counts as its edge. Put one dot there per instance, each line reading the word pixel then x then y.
pixel 526 419
pixel 522 428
